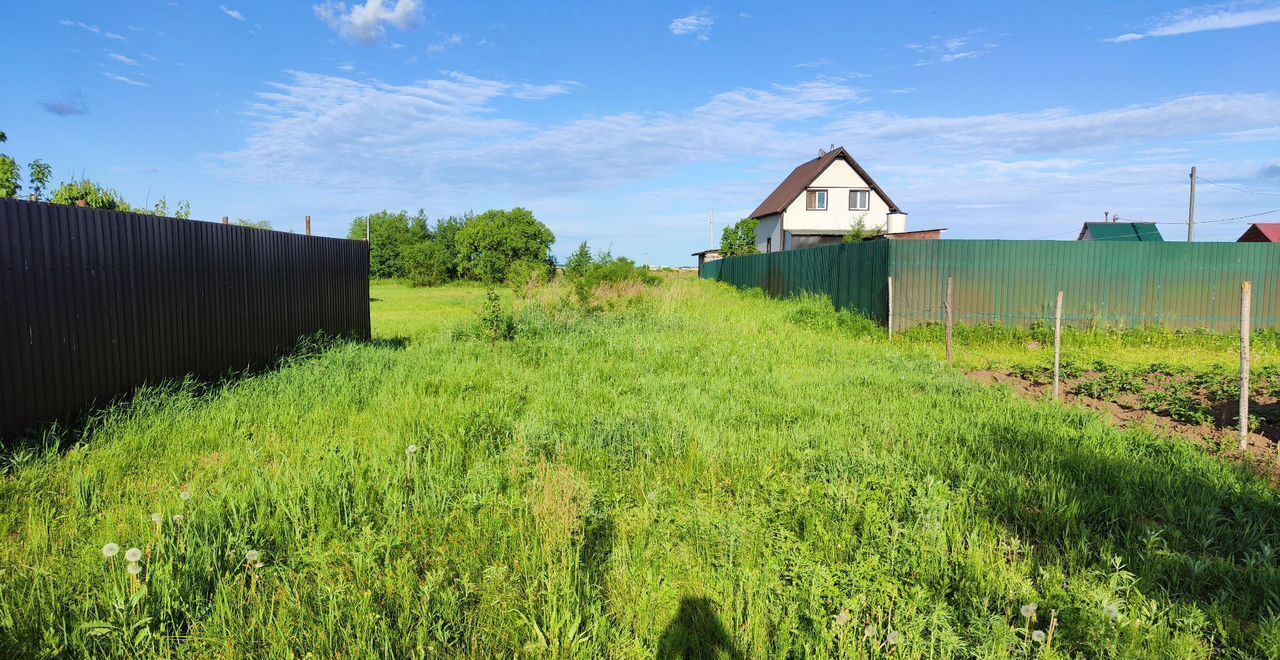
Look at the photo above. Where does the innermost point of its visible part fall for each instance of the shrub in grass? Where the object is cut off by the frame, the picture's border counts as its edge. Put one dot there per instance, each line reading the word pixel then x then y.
pixel 426 263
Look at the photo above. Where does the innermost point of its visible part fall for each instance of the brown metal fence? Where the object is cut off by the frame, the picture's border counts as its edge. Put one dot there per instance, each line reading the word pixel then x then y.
pixel 95 303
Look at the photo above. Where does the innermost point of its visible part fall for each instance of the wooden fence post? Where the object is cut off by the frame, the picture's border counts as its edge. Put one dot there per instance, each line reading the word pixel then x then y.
pixel 367 224
pixel 890 308
pixel 1057 346
pixel 950 322
pixel 308 225
pixel 1246 290
pixel 226 220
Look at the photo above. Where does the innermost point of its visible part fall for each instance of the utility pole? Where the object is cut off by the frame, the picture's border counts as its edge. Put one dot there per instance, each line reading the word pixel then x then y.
pixel 713 229
pixel 1191 209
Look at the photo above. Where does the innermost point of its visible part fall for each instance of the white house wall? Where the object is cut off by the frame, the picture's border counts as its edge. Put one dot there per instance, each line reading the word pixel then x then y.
pixel 838 179
pixel 768 228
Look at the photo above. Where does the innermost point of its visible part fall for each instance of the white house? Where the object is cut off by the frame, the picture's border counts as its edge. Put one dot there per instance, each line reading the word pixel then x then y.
pixel 821 201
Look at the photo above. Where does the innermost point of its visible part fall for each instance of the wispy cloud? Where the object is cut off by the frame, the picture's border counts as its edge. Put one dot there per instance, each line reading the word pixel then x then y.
pixel 820 62
pixel 940 50
pixel 440 46
pixel 71 103
pixel 233 13
pixel 536 92
pixel 366 23
pixel 123 59
pixel 447 134
pixel 1270 171
pixel 126 80
pixel 696 24
pixel 1204 18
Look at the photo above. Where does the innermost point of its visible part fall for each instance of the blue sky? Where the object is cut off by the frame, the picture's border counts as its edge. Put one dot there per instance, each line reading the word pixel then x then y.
pixel 623 124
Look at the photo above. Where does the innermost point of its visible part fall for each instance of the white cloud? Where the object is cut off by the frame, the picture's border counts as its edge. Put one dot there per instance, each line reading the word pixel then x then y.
pixel 366 23
pixel 440 46
pixel 231 12
pixel 940 50
pixel 126 80
pixel 450 143
pixel 698 25
pixel 123 59
pixel 1204 18
pixel 537 92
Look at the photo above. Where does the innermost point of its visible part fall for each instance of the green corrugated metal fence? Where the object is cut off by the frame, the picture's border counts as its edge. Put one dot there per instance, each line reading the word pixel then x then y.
pixel 1175 285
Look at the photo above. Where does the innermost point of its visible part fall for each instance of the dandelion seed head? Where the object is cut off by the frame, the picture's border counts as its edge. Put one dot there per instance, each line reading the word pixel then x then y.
pixel 259 565
pixel 1028 610
pixel 1037 636
pixel 185 494
pixel 251 556
pixel 134 568
pixel 110 550
pixel 842 618
pixel 157 518
pixel 1112 612
pixel 177 518
pixel 133 554
pixel 869 632
pixel 892 638
pixel 411 450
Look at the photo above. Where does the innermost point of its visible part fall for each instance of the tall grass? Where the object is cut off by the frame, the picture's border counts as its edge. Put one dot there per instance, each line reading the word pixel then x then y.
pixel 695 472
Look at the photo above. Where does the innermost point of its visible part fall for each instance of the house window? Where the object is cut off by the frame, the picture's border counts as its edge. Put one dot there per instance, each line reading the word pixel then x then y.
pixel 859 200
pixel 816 200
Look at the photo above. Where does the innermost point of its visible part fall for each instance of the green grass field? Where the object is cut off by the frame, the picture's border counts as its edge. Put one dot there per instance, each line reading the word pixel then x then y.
pixel 696 472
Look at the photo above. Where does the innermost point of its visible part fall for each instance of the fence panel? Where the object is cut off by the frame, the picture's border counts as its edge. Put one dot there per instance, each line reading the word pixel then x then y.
pixel 1125 285
pixel 94 304
pixel 1119 285
pixel 853 275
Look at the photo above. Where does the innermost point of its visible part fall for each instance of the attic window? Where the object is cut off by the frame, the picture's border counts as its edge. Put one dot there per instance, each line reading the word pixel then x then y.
pixel 816 200
pixel 859 200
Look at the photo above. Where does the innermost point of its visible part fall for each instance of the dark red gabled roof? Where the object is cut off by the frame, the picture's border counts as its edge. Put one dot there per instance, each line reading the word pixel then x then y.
pixel 804 175
pixel 1261 232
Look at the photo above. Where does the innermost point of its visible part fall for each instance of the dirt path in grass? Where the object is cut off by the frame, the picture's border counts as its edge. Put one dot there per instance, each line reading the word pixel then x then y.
pixel 1220 438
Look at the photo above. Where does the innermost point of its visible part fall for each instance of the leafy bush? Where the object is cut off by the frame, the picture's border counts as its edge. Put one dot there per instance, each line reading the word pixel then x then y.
pixel 95 195
pixel 588 276
pixel 389 234
pixel 526 275
pixel 491 242
pixel 497 323
pixel 739 238
pixel 426 263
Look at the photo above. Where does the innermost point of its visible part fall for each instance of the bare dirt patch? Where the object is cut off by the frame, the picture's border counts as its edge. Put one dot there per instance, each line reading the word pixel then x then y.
pixel 1220 438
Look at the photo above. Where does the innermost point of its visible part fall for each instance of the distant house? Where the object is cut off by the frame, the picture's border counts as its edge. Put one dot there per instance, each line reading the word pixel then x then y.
pixel 1261 232
pixel 1120 231
pixel 707 255
pixel 820 202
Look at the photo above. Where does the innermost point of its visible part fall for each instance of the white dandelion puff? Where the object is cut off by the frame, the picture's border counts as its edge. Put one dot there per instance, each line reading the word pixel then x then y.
pixel 185 494
pixel 177 519
pixel 1111 612
pixel 1028 610
pixel 157 519
pixel 411 450
pixel 134 568
pixel 1037 636
pixel 259 565
pixel 251 556
pixel 110 550
pixel 869 632
pixel 842 618
pixel 892 638
pixel 133 554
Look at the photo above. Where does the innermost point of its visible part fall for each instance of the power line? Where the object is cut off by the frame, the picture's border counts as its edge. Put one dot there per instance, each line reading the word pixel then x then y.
pixel 1247 192
pixel 1240 217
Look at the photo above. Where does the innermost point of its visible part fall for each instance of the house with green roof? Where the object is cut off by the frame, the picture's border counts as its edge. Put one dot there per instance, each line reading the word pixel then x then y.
pixel 1120 231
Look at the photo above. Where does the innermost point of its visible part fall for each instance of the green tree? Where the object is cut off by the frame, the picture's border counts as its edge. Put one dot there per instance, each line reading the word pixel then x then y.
pixel 389 233
pixel 579 261
pixel 95 195
pixel 493 240
pixel 38 174
pixel 10 177
pixel 446 234
pixel 859 231
pixel 256 224
pixel 426 263
pixel 739 238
